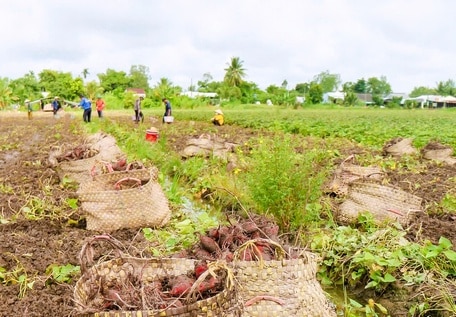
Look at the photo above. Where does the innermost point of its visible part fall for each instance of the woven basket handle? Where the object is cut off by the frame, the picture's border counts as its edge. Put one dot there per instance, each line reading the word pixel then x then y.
pixel 86 255
pixel 93 170
pixel 252 244
pixel 119 182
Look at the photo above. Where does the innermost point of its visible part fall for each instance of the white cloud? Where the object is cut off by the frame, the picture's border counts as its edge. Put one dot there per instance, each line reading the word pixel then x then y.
pixel 408 42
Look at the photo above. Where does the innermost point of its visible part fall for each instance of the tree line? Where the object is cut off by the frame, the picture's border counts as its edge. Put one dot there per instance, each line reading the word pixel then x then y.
pixel 232 88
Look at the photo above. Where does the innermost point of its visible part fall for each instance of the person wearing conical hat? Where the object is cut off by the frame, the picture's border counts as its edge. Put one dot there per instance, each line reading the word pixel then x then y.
pixel 218 119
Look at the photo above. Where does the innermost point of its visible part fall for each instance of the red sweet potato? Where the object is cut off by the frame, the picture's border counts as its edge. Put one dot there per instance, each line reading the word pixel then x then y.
pixel 200 268
pixel 249 227
pixel 180 285
pixel 209 285
pixel 209 244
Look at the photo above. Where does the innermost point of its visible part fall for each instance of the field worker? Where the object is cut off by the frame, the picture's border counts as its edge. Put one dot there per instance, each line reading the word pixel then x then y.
pixel 29 108
pixel 100 104
pixel 218 118
pixel 138 113
pixel 168 110
pixel 86 105
pixel 56 105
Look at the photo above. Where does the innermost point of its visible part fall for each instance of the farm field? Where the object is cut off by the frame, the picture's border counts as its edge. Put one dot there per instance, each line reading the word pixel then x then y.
pixel 43 229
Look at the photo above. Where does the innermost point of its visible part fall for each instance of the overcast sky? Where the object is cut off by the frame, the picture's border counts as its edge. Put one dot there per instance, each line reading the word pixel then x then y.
pixel 410 42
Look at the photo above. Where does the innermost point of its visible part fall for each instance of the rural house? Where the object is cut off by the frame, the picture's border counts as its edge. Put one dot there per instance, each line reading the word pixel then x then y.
pixel 138 92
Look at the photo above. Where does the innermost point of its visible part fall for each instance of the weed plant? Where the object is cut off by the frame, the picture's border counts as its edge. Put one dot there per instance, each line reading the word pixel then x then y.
pixel 286 183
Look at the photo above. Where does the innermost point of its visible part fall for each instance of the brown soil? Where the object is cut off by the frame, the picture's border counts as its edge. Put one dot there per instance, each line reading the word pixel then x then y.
pixel 30 246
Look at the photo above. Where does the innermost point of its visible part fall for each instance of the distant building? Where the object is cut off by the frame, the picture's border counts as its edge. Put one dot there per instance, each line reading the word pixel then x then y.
pixel 197 94
pixel 365 98
pixel 333 96
pixel 138 92
pixel 432 101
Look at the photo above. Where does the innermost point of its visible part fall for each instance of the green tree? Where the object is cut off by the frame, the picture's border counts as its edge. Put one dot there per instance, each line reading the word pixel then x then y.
pixel 315 94
pixel 203 84
pixel 234 73
pixel 26 87
pixel 85 73
pixel 115 81
pixel 446 88
pixel 57 83
pixel 328 82
pixel 302 88
pixel 139 75
pixel 164 89
pixel 421 90
pixel 360 87
pixel 249 92
pixel 378 86
pixel 6 93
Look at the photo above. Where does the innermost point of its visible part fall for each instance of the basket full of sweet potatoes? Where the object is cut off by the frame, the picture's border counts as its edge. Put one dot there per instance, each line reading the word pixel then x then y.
pixel 131 286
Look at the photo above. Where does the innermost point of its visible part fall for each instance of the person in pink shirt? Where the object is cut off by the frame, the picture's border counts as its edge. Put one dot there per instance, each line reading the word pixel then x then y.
pixel 100 104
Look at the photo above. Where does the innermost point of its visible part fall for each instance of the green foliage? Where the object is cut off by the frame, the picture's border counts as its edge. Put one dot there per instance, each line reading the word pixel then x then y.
pixel 327 81
pixel 419 91
pixel 140 76
pixel 17 276
pixel 378 86
pixel 62 273
pixel 350 99
pixel 377 257
pixel 315 94
pixel 285 183
pixel 114 81
pixel 6 93
pixel 447 88
pixel 181 233
pixel 234 73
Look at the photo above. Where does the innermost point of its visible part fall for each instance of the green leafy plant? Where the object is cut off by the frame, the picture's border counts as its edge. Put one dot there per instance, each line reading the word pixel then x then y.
pixel 62 273
pixel 180 233
pixel 286 182
pixel 17 276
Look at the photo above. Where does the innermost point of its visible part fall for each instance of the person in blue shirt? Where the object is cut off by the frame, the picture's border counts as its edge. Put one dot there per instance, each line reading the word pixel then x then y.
pixel 56 105
pixel 86 105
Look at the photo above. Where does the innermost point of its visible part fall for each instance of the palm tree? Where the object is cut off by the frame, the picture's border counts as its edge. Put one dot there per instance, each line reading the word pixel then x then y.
pixel 85 72
pixel 235 72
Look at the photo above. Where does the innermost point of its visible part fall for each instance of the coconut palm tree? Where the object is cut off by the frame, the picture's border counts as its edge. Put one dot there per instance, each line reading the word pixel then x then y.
pixel 234 72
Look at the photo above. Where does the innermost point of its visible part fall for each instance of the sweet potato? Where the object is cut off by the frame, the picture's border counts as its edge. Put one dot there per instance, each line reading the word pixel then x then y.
pixel 209 244
pixel 249 227
pixel 209 285
pixel 200 268
pixel 180 284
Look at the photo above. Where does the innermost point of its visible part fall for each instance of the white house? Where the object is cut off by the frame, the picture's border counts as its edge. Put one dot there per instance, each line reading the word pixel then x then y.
pixel 335 95
pixel 196 94
pixel 434 101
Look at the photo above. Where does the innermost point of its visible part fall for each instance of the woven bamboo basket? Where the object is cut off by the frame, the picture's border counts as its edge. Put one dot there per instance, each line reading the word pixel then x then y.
pixel 399 147
pixel 281 288
pixel 78 170
pixel 108 209
pixel 102 276
pixel 385 203
pixel 348 173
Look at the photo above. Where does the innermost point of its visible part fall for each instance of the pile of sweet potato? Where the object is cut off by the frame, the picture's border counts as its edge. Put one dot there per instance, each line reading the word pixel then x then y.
pixel 222 242
pixel 79 152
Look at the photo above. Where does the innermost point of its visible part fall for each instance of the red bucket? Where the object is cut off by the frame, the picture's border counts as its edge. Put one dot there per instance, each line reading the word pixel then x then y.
pixel 151 136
